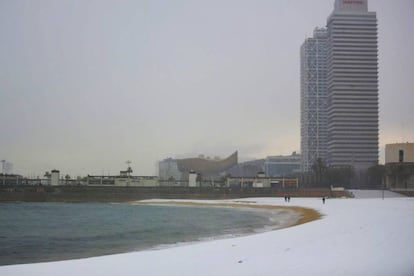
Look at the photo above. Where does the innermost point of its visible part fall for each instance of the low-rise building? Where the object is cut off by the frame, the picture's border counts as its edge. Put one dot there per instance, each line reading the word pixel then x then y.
pixel 247 169
pixel 11 179
pixel 399 166
pixel 138 181
pixel 282 165
pixel 262 181
pixel 54 178
pixel 125 178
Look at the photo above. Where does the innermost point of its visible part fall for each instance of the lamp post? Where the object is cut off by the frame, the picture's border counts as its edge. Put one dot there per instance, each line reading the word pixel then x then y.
pixel 2 170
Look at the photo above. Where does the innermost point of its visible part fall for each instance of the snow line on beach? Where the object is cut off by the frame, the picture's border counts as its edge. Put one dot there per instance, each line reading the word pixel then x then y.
pixel 355 237
pixel 298 215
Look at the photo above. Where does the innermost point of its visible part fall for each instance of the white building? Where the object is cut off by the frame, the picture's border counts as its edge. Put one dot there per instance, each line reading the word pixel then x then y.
pixel 399 153
pixel 54 178
pixel 192 179
pixel 399 166
pixel 137 181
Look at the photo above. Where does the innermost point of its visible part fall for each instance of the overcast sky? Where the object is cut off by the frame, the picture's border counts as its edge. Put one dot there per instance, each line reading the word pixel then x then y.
pixel 86 85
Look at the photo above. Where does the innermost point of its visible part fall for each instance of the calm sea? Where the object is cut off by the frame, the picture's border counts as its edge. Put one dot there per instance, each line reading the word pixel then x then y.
pixel 38 232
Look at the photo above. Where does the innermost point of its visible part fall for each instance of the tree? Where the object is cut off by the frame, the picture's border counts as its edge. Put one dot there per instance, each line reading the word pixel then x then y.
pixel 340 176
pixel 399 173
pixel 319 168
pixel 375 176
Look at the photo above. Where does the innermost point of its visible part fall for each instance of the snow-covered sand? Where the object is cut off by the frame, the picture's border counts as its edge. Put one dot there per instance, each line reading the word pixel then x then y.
pixel 355 237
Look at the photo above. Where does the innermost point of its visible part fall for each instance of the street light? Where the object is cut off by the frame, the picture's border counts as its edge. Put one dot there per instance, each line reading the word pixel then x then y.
pixel 2 170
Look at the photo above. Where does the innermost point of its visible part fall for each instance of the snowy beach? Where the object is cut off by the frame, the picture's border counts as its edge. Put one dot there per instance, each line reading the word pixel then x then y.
pixel 361 236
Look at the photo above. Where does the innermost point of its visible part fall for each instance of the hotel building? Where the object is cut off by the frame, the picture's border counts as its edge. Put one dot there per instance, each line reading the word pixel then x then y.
pixel 313 99
pixel 352 87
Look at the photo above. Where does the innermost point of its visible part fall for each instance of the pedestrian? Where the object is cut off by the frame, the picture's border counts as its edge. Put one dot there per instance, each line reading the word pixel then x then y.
pixel 288 198
pixel 323 200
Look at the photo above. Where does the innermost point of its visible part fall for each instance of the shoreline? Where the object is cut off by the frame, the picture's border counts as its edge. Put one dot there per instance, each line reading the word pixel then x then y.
pixel 275 213
pixel 326 246
pixel 305 214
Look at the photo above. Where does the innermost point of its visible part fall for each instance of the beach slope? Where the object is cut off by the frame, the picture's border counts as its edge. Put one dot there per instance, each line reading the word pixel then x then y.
pixel 354 237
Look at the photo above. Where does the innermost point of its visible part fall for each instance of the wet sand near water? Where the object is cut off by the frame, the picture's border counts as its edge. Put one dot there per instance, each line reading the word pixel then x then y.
pixel 306 214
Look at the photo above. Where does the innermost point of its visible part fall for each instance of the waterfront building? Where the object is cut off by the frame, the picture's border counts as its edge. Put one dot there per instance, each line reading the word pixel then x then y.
pixel 168 169
pixel 262 181
pixel 122 180
pixel 54 178
pixel 6 167
pixel 399 166
pixel 352 84
pixel 345 131
pixel 282 165
pixel 11 179
pixel 247 169
pixel 206 168
pixel 313 99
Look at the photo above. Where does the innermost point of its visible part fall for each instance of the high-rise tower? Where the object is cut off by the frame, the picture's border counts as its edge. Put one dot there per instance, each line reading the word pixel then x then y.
pixel 339 89
pixel 352 84
pixel 313 99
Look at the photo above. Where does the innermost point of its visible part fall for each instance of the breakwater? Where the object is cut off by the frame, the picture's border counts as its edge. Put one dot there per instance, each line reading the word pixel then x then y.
pixel 124 194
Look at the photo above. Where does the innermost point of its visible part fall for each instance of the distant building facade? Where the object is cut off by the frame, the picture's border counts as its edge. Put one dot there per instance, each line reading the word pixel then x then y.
pixel 261 181
pixel 399 153
pixel 125 178
pixel 352 90
pixel 55 178
pixel 313 100
pixel 168 169
pixel 206 168
pixel 352 85
pixel 399 165
pixel 247 169
pixel 6 167
pixel 282 165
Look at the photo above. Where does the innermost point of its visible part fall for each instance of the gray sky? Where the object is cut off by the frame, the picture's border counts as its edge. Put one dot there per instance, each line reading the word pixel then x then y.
pixel 88 85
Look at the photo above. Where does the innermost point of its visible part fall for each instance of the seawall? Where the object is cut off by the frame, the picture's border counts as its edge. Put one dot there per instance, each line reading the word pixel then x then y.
pixel 125 194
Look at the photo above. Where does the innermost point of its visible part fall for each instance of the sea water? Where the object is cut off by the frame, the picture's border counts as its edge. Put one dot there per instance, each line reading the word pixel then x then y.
pixel 39 232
